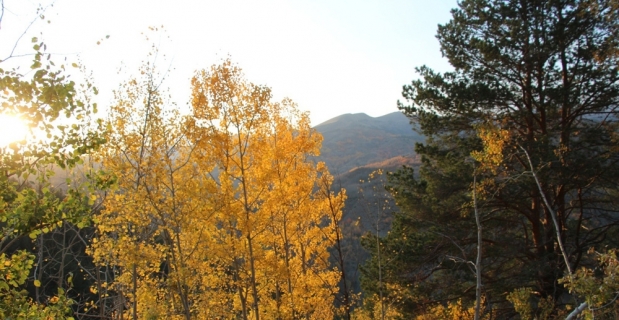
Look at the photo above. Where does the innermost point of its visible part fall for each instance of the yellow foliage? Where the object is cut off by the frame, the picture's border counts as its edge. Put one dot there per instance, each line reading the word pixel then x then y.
pixel 600 290
pixel 494 140
pixel 452 311
pixel 390 312
pixel 522 298
pixel 216 213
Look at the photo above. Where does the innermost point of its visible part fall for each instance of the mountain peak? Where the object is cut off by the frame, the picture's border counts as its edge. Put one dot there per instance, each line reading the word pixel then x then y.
pixel 346 117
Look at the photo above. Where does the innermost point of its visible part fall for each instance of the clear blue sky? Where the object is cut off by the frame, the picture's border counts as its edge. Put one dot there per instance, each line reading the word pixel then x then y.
pixel 331 57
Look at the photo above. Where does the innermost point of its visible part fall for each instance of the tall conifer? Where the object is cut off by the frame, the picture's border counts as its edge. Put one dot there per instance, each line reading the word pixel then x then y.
pixel 540 76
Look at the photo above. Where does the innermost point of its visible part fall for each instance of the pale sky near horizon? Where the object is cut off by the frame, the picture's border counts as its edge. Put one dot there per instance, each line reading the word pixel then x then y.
pixel 331 57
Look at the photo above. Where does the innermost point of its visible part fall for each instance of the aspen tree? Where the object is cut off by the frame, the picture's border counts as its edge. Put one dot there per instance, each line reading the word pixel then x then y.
pixel 155 225
pixel 215 213
pixel 271 226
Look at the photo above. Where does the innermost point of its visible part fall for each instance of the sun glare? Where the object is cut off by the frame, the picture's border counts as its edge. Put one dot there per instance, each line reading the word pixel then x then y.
pixel 12 129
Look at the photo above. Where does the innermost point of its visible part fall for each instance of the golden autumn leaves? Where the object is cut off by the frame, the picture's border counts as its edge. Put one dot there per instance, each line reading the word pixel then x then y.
pixel 221 213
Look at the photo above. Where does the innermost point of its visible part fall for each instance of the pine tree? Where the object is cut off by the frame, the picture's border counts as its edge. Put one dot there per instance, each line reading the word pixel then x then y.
pixel 531 78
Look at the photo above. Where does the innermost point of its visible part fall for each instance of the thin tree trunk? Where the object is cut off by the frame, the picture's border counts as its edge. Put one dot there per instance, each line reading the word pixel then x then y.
pixel 479 242
pixel 39 269
pixel 380 274
pixel 248 237
pixel 135 292
pixel 577 311
pixel 338 246
pixel 99 290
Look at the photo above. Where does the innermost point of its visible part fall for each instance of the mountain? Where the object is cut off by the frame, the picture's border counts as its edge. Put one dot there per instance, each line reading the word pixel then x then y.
pixel 355 146
pixel 356 140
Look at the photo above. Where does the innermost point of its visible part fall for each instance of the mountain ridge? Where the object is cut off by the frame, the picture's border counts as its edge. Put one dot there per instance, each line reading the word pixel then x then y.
pixel 356 139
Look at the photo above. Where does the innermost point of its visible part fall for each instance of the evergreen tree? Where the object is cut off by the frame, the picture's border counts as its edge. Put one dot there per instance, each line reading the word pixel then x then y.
pixel 532 79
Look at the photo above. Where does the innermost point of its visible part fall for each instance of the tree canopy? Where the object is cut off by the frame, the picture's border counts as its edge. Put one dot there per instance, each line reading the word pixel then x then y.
pixel 217 213
pixel 57 113
pixel 532 80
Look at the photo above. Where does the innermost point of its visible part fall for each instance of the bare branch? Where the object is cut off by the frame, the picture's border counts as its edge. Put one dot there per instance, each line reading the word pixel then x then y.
pixel 1 12
pixel 552 213
pixel 11 55
pixel 577 311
